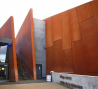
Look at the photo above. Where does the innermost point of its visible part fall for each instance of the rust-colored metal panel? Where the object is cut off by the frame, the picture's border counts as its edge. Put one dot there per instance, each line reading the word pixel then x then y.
pixel 93 74
pixel 49 60
pixel 88 28
pixel 95 10
pixel 33 47
pixel 7 31
pixel 25 45
pixel 49 29
pixel 66 34
pixel 75 30
pixel 79 58
pixel 67 60
pixel 57 27
pixel 84 12
pixel 57 56
pixel 90 44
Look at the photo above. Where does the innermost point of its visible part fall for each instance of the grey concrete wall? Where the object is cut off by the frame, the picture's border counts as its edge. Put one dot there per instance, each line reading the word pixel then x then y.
pixel 40 43
pixel 87 82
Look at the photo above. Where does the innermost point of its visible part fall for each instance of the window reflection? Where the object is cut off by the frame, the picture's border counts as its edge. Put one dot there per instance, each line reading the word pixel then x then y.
pixel 3 50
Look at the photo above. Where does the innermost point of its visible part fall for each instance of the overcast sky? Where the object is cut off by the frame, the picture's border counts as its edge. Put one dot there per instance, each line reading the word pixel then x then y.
pixel 41 9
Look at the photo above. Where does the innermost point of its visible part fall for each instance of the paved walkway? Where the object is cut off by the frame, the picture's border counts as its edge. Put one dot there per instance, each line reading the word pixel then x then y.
pixel 34 86
pixel 23 82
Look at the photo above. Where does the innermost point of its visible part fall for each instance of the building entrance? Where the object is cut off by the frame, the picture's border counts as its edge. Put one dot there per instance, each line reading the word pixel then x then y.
pixel 3 71
pixel 5 47
pixel 4 62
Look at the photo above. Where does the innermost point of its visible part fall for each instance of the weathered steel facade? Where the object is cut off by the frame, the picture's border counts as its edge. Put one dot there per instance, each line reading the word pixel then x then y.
pixel 72 40
pixel 25 48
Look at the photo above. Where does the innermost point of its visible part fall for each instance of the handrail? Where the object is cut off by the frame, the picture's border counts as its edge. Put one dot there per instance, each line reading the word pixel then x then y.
pixel 23 71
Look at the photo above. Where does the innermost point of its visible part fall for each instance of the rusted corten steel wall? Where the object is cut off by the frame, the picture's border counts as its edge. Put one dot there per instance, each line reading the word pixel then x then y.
pixel 72 40
pixel 7 31
pixel 25 45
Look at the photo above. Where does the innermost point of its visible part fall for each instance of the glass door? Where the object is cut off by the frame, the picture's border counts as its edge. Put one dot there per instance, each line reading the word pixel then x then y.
pixel 3 71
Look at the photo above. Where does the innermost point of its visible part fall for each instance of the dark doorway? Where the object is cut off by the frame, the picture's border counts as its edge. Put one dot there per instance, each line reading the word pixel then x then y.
pixel 3 71
pixel 39 70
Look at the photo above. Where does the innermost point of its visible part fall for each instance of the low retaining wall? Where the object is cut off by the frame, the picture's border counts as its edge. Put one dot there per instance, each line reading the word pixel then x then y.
pixel 76 81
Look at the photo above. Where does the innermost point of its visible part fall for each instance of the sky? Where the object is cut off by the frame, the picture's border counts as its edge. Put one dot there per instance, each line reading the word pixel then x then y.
pixel 41 9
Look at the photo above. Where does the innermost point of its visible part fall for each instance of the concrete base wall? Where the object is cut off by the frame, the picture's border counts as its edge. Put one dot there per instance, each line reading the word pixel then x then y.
pixel 76 81
pixel 40 43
